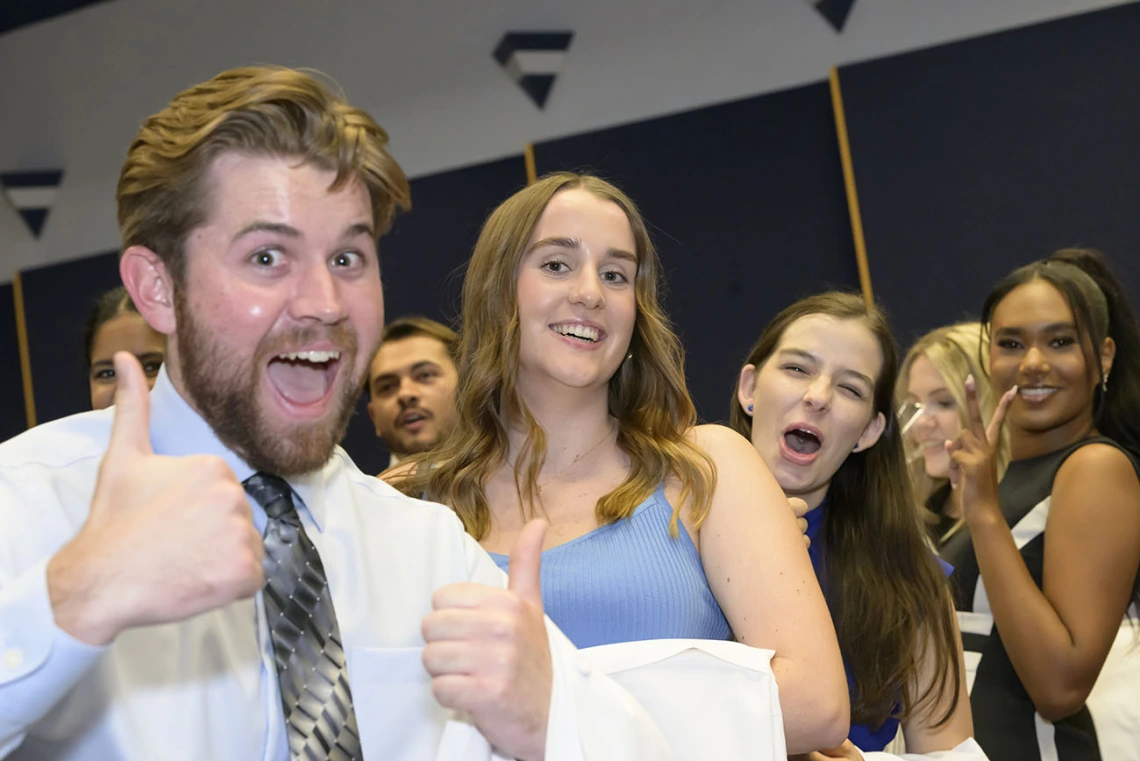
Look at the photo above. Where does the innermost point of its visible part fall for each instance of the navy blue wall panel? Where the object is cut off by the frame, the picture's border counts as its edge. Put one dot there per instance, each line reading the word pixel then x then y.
pixel 746 204
pixel 979 156
pixel 13 418
pixel 57 300
pixel 424 256
pixel 422 262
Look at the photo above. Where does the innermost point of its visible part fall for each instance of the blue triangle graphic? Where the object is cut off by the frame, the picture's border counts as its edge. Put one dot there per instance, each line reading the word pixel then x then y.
pixel 537 86
pixel 835 11
pixel 34 219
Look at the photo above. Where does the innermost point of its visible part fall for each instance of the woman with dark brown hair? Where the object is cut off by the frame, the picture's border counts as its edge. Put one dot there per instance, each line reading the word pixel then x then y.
pixel 815 398
pixel 116 325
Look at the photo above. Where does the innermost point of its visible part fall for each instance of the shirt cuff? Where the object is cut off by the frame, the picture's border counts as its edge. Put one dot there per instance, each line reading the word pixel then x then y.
pixel 39 662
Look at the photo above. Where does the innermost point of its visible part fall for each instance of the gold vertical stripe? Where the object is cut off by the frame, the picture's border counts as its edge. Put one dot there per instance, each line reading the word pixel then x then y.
pixel 852 195
pixel 25 358
pixel 528 157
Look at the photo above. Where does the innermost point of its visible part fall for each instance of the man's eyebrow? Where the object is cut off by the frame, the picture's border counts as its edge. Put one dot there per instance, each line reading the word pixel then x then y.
pixel 421 365
pixel 268 227
pixel 279 228
pixel 358 229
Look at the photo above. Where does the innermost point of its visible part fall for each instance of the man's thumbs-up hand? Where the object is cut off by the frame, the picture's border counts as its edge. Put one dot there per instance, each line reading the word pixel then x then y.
pixel 488 654
pixel 166 538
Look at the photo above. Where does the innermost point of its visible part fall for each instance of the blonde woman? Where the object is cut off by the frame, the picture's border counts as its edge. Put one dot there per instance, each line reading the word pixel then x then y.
pixel 932 402
pixel 573 407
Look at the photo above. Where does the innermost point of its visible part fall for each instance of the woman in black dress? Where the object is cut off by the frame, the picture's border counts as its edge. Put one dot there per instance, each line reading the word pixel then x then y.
pixel 1048 566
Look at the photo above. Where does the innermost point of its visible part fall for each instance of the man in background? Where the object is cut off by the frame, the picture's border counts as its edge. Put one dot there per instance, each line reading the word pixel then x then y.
pixel 411 386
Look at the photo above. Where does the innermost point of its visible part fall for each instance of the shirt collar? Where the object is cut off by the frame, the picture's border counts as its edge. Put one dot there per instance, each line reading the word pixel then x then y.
pixel 177 430
pixel 311 488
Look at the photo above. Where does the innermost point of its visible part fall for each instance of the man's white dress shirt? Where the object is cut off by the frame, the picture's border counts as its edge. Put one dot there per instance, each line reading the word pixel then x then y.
pixel 206 688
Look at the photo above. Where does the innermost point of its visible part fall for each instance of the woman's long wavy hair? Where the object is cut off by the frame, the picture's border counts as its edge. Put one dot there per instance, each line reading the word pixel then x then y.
pixel 647 395
pixel 956 351
pixel 887 594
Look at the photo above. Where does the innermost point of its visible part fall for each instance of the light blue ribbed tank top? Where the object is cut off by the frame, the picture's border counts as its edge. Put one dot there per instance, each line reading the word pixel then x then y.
pixel 630 581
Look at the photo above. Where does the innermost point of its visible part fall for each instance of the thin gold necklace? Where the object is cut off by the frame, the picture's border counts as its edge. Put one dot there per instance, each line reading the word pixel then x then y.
pixel 612 429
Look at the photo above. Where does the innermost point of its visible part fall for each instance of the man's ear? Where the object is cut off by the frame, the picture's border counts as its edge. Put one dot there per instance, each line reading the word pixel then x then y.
pixel 374 415
pixel 745 387
pixel 148 281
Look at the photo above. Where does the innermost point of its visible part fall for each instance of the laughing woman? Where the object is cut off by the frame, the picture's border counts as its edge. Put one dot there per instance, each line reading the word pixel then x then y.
pixel 1050 560
pixel 815 398
pixel 932 397
pixel 572 406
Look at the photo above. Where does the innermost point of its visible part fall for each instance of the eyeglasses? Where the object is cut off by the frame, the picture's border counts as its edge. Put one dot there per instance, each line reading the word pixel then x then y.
pixel 909 413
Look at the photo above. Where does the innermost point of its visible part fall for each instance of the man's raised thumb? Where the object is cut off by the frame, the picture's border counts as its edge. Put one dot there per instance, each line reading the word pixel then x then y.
pixel 131 430
pixel 526 561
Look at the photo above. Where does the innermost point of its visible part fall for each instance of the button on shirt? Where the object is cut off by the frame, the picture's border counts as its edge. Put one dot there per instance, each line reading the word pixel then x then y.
pixel 206 688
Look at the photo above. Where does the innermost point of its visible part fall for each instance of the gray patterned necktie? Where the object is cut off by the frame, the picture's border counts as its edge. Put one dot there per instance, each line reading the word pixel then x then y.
pixel 319 719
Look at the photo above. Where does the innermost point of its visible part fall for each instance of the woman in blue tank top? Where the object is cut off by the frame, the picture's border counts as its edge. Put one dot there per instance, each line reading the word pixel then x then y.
pixel 572 407
pixel 815 398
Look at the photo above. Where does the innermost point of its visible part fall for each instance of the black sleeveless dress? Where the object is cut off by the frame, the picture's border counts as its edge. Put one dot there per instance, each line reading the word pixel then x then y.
pixel 1006 724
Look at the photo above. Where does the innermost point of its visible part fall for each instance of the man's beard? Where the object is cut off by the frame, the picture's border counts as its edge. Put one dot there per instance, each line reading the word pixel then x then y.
pixel 223 388
pixel 414 446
